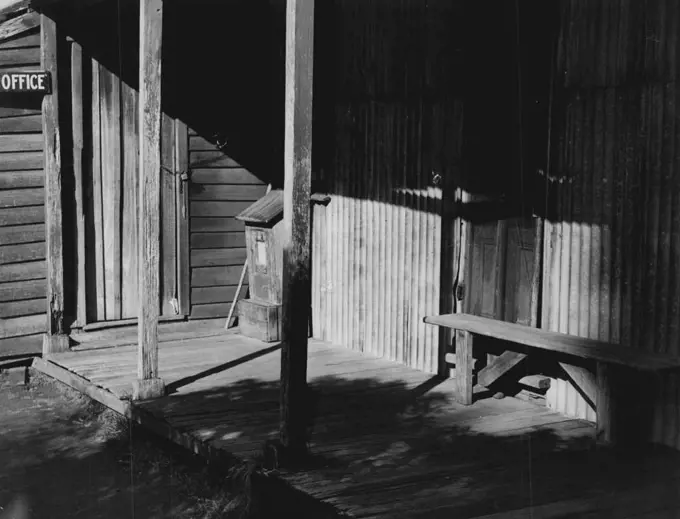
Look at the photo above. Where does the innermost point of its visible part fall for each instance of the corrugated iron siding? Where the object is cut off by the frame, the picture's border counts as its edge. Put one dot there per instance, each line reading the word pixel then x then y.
pixel 612 257
pixel 377 245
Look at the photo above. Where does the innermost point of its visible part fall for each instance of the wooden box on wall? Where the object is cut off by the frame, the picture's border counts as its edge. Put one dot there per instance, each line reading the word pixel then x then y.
pixel 260 314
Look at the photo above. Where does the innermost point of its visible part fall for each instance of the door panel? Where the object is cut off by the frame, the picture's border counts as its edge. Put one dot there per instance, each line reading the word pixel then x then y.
pixel 483 275
pixel 519 271
pixel 501 270
pixel 112 223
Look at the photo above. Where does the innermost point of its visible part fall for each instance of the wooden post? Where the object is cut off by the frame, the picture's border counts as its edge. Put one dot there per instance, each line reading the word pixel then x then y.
pixel 55 340
pixel 624 413
pixel 296 290
pixel 149 384
pixel 464 364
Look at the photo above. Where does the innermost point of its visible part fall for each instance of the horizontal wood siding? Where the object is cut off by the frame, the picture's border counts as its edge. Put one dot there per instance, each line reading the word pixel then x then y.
pixel 395 134
pixel 22 210
pixel 219 189
pixel 612 255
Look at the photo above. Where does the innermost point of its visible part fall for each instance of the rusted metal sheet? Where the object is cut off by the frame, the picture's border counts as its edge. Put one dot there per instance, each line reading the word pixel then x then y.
pixel 612 256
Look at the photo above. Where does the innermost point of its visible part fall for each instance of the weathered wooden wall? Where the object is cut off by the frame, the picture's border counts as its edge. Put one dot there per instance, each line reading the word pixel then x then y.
pixel 612 256
pixel 220 189
pixel 112 198
pixel 22 198
pixel 391 141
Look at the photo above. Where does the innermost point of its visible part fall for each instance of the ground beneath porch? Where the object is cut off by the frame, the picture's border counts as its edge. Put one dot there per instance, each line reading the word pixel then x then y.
pixel 388 441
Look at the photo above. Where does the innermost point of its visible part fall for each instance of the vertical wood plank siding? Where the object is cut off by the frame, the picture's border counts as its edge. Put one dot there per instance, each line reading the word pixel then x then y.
pixel 396 131
pixel 22 205
pixel 612 255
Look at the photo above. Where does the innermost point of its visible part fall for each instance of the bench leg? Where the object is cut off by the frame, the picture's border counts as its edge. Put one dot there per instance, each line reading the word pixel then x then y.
pixel 624 413
pixel 464 364
pixel 605 432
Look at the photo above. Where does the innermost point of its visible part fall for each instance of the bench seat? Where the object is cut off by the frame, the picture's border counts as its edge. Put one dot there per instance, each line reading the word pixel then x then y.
pixel 559 342
pixel 623 390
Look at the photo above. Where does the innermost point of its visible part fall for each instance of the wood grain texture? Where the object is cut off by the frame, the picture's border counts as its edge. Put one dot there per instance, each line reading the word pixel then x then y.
pixel 78 129
pixel 296 293
pixel 23 252
pixel 168 216
pixel 218 257
pixel 151 30
pixel 53 183
pixel 22 234
pixel 111 172
pixel 24 57
pixel 26 289
pixel 14 161
pixel 21 124
pixel 395 470
pixel 24 325
pixel 30 39
pixel 183 220
pixel 26 142
pixel 130 211
pixel 97 230
pixel 21 179
pixel 22 215
pixel 19 25
pixel 35 269
pixel 215 276
pixel 22 197
pixel 224 176
pixel 464 367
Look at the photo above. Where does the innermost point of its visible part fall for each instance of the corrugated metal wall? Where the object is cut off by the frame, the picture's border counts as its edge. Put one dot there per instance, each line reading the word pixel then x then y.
pixel 612 264
pixel 397 130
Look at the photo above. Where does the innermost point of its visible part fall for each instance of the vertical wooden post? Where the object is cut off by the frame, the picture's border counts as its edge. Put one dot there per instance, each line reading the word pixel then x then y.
pixel 78 132
pixel 296 293
pixel 149 384
pixel 464 364
pixel 624 413
pixel 55 340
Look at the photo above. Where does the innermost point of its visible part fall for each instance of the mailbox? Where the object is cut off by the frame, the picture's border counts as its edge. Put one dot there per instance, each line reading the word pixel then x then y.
pixel 260 314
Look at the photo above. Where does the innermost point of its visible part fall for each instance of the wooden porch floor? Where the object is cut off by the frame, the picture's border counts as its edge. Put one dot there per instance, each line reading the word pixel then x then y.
pixel 389 441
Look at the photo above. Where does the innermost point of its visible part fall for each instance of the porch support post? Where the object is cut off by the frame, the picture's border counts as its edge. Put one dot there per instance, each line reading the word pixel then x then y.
pixel 149 384
pixel 55 339
pixel 296 293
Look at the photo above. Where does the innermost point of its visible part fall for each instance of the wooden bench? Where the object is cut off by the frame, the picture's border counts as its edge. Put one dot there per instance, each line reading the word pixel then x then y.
pixel 619 383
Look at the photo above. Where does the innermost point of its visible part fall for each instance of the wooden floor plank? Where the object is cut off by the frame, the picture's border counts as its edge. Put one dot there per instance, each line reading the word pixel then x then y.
pixel 389 441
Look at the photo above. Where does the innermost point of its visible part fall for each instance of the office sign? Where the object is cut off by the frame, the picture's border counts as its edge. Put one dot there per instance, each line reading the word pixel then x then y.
pixel 26 82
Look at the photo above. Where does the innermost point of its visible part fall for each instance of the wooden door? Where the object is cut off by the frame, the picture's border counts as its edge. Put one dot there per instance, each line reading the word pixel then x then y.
pixel 501 270
pixel 112 266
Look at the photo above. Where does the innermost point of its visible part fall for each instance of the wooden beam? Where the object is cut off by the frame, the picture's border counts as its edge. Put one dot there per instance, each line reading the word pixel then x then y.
pixel 55 340
pixel 149 384
pixel 584 382
pixel 499 367
pixel 16 26
pixel 464 365
pixel 296 293
pixel 78 135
